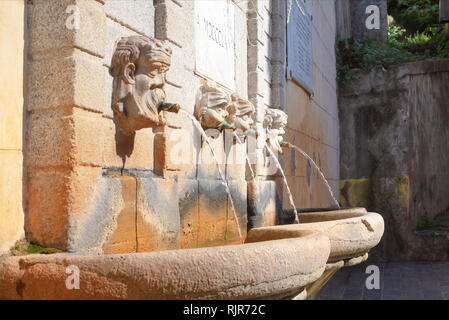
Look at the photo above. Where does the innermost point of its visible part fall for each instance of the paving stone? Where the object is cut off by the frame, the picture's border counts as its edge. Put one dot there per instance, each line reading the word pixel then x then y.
pixel 399 281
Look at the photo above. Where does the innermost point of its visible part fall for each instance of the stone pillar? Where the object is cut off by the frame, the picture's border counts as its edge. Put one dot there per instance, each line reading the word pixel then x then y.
pixel 64 107
pixel 266 80
pixel 359 18
pixel 11 118
pixel 444 11
pixel 343 18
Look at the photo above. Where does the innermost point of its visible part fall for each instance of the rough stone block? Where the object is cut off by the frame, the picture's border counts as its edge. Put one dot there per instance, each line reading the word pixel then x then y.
pixel 114 32
pixel 213 202
pixel 238 190
pixel 95 204
pixel 47 138
pixel 158 218
pixel 241 55
pixel 52 26
pixel 235 153
pixel 64 137
pixel 46 220
pixel 267 200
pixel 69 77
pixel 123 238
pixel 135 14
pixel 129 152
pixel 174 22
pixel 189 213
pixel 207 166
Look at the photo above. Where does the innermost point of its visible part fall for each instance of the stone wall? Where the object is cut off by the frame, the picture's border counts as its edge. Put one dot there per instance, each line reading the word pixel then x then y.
pixel 89 188
pixel 109 193
pixel 393 128
pixel 313 119
pixel 11 117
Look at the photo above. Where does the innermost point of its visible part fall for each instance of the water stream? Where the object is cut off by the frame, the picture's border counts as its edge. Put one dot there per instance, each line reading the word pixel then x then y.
pixel 298 149
pixel 290 196
pixel 197 125
pixel 253 177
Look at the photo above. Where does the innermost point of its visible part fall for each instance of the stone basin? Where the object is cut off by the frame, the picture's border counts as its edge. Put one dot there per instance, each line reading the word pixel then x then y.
pixel 352 233
pixel 274 269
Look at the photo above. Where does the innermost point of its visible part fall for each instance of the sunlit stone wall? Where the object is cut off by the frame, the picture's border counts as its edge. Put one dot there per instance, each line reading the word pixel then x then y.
pixel 11 112
pixel 313 119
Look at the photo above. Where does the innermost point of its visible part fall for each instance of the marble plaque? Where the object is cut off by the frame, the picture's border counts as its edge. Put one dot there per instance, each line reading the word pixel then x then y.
pixel 299 46
pixel 214 40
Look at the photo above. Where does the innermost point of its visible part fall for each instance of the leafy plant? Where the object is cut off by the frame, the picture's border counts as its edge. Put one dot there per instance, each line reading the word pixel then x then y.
pixel 414 15
pixel 428 224
pixel 415 34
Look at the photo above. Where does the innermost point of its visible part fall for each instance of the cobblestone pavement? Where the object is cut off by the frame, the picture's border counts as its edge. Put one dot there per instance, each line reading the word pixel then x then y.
pixel 398 281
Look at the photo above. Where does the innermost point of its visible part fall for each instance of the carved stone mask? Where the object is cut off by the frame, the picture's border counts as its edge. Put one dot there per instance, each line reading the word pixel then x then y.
pixel 241 113
pixel 139 65
pixel 211 106
pixel 274 123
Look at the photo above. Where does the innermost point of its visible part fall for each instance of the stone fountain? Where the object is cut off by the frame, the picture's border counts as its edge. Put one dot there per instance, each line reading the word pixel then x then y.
pixel 208 230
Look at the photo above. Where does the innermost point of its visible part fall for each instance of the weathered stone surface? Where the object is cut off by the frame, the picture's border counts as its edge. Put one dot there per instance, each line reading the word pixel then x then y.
pixel 46 219
pixel 271 269
pixel 11 75
pixel 352 232
pixel 136 14
pixel 207 165
pixel 398 148
pixel 175 152
pixel 64 137
pixel 11 213
pixel 238 190
pixel 95 205
pixel 129 152
pixel 124 237
pixel 52 26
pixel 11 120
pixel 158 218
pixel 189 212
pixel 213 203
pixel 262 204
pixel 235 153
pixel 355 193
pixel 68 77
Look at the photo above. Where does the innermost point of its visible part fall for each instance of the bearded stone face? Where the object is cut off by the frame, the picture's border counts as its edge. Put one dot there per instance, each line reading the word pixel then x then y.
pixel 139 66
pixel 274 124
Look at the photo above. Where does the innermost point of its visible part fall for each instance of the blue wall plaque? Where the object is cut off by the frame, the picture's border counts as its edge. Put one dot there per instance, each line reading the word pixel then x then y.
pixel 299 46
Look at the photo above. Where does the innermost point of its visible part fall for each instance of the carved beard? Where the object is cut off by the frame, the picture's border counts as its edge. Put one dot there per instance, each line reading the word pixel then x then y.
pixel 139 112
pixel 274 141
pixel 153 98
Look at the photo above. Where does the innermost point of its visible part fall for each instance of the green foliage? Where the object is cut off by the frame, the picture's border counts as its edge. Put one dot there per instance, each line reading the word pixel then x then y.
pixel 32 248
pixel 428 224
pixel 414 15
pixel 423 38
pixel 366 54
pixel 23 247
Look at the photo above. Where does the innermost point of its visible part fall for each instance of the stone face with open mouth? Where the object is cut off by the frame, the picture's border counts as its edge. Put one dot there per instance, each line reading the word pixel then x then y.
pixel 211 105
pixel 274 123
